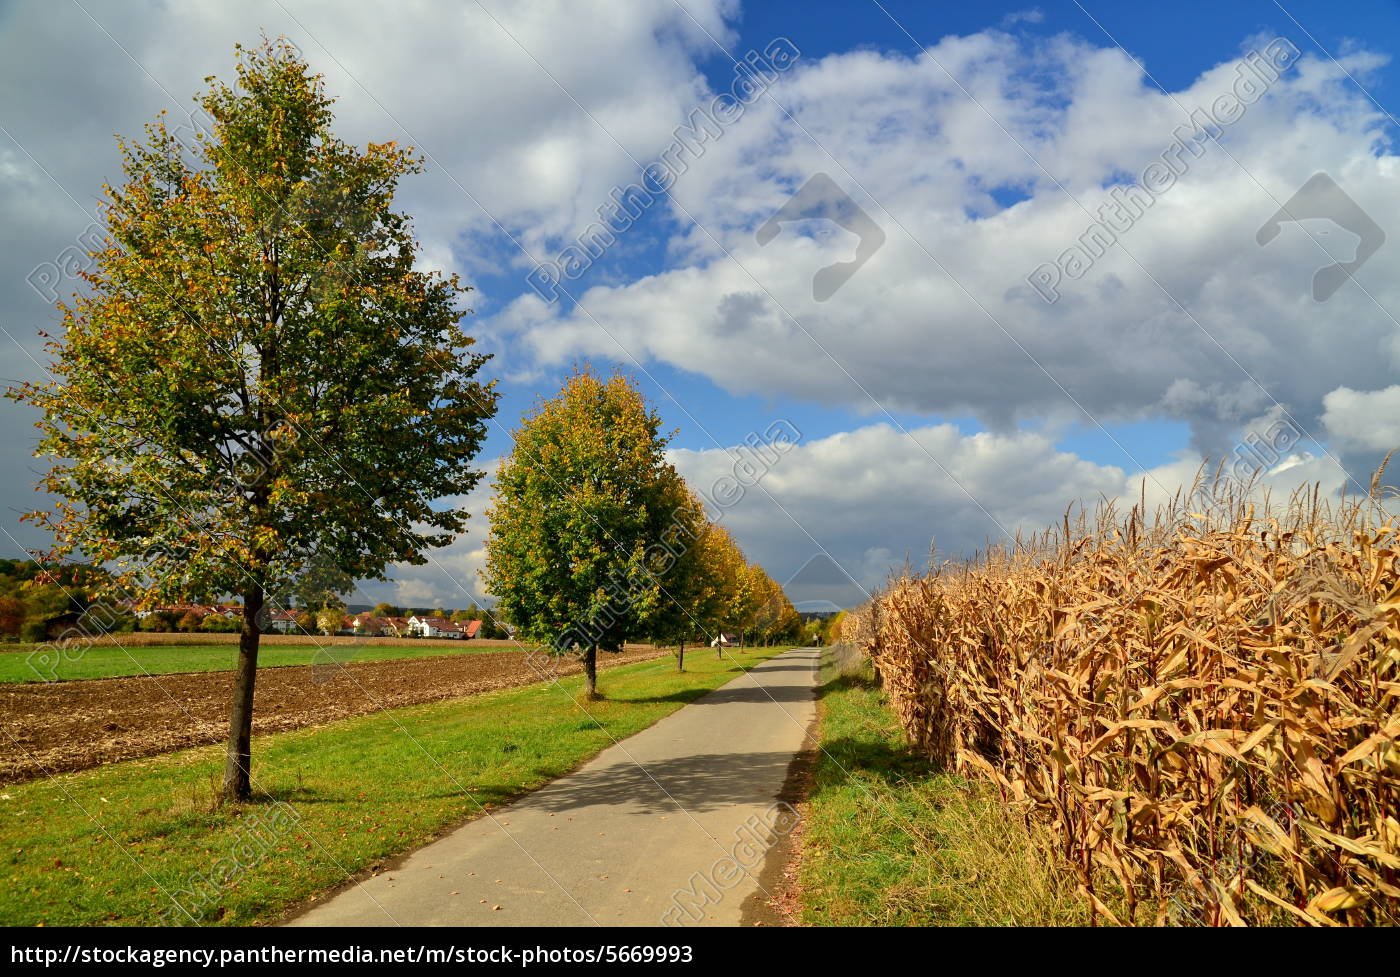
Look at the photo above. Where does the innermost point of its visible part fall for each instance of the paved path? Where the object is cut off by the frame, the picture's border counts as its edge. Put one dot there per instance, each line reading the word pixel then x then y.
pixel 669 826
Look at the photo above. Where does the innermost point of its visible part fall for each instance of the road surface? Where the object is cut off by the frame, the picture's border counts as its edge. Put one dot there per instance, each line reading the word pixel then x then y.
pixel 668 827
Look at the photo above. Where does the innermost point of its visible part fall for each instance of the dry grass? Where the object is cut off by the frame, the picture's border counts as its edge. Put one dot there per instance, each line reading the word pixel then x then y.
pixel 1200 705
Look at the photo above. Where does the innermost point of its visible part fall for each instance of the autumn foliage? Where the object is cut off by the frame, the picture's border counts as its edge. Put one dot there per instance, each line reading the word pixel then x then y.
pixel 596 539
pixel 258 393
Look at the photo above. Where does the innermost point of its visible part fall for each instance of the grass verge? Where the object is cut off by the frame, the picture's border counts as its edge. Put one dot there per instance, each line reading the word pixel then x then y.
pixel 892 840
pixel 109 846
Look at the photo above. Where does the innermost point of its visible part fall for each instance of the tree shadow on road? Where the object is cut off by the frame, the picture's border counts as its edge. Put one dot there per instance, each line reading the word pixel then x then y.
pixel 699 782
pixel 741 693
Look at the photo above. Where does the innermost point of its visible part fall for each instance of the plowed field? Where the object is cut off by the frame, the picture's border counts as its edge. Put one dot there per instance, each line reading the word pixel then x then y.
pixel 62 726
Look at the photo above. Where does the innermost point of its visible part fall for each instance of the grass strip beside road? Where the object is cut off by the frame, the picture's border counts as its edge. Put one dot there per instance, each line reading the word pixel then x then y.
pixel 99 847
pixel 892 840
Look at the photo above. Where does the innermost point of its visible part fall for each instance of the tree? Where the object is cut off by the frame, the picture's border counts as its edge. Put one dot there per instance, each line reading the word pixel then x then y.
pixel 831 628
pixel 258 384
pixel 218 624
pixel 387 610
pixel 491 624
pixel 774 617
pixel 11 616
pixel 583 494
pixel 736 598
pixel 685 572
pixel 160 622
pixel 191 621
pixel 329 620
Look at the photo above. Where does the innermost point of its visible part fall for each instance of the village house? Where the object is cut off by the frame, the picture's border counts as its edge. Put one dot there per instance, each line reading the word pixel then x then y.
pixel 379 627
pixel 441 627
pixel 281 621
pixel 433 627
pixel 203 610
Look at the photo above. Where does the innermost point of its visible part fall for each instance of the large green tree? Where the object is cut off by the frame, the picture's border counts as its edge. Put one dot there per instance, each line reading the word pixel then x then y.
pixel 258 387
pixel 583 495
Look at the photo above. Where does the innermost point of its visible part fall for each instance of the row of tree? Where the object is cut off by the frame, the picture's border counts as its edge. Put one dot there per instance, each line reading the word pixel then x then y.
pixel 262 393
pixel 596 540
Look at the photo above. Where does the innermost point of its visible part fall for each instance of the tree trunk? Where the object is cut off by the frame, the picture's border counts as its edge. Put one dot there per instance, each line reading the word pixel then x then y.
pixel 590 673
pixel 237 782
pixel 680 657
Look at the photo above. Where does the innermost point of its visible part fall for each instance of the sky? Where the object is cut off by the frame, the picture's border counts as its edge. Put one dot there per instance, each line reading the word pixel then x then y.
pixel 967 263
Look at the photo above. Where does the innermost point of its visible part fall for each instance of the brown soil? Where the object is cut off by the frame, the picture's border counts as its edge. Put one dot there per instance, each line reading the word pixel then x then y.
pixel 62 726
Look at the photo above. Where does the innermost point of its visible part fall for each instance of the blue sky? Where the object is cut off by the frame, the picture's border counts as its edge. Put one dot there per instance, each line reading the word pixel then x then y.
pixel 936 395
pixel 1175 49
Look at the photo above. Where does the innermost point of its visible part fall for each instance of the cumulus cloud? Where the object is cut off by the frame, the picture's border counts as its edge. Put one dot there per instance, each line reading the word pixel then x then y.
pixel 875 498
pixel 473 91
pixel 981 162
pixel 1365 420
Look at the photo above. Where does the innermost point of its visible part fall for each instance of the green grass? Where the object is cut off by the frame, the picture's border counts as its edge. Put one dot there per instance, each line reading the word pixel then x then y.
pixel 98 847
pixel 110 662
pixel 892 840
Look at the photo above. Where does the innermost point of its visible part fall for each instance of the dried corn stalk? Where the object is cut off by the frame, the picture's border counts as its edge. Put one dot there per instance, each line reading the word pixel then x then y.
pixel 1204 706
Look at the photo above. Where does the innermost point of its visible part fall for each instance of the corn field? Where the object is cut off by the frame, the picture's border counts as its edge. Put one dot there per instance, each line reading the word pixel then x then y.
pixel 1201 703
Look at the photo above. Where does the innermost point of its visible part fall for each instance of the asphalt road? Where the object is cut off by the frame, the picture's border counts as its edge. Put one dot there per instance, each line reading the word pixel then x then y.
pixel 669 827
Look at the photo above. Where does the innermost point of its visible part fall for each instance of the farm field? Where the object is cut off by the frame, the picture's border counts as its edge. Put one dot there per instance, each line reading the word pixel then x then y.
pixel 64 726
pixel 108 846
pixel 111 660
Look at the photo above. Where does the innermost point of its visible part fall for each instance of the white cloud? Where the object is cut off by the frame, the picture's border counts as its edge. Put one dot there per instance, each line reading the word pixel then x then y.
pixel 926 162
pixel 452 576
pixel 908 335
pixel 874 498
pixel 1363 420
pixel 495 123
